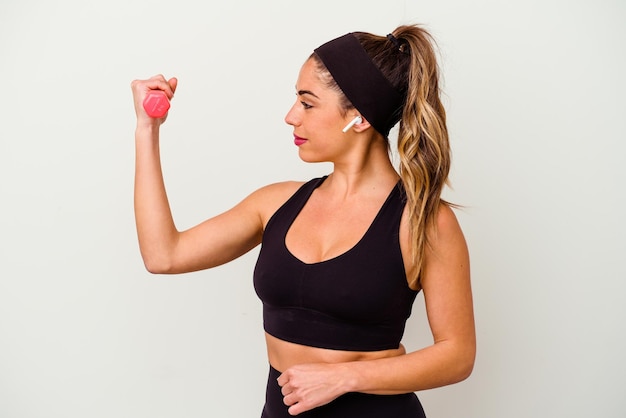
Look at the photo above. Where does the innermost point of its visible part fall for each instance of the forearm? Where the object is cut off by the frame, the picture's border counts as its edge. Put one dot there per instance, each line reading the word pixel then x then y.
pixel 438 365
pixel 156 230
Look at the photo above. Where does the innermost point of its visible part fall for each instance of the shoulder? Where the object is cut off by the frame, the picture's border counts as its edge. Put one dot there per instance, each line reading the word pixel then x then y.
pixel 446 241
pixel 446 226
pixel 269 198
pixel 276 191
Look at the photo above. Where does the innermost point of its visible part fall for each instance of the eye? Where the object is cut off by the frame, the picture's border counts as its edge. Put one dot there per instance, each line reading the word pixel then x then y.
pixel 305 105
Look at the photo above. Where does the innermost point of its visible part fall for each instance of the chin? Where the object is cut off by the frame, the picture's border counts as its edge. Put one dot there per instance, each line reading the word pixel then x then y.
pixel 309 157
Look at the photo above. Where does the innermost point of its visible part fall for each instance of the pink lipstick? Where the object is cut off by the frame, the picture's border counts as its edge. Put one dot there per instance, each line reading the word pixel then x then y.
pixel 298 141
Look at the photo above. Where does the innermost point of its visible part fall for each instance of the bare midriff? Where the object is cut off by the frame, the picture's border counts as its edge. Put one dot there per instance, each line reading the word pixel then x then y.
pixel 283 354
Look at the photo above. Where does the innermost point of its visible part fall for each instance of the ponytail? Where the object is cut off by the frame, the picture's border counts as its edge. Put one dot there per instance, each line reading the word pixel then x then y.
pixel 409 62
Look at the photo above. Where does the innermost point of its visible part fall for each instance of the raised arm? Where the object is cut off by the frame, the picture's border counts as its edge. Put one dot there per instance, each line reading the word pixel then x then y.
pixel 218 240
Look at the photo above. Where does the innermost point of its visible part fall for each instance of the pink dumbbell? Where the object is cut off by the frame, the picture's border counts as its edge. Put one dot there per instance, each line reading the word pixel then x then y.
pixel 156 104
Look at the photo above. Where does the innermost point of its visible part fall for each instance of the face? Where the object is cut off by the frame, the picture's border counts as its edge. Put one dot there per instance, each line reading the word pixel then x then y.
pixel 317 119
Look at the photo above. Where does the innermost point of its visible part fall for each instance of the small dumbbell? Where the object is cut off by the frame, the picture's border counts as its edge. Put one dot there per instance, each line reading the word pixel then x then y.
pixel 156 104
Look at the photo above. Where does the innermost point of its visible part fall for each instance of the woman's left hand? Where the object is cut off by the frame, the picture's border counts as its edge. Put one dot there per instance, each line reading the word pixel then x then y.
pixel 307 386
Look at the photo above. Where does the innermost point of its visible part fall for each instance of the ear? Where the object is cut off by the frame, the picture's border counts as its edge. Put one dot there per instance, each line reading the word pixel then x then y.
pixel 363 126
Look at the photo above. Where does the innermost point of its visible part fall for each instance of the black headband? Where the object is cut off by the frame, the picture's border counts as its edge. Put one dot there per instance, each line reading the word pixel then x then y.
pixel 362 82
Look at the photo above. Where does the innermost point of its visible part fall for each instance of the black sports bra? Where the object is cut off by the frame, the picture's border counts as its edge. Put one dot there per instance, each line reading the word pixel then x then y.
pixel 357 301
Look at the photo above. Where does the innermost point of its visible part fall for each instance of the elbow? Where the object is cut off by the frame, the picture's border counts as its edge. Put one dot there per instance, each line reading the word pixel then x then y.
pixel 159 255
pixel 157 265
pixel 155 268
pixel 464 366
pixel 465 370
pixel 458 364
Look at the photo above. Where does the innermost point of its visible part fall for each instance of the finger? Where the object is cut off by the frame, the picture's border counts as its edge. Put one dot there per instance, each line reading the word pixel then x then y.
pixel 290 400
pixel 286 390
pixel 157 82
pixel 297 409
pixel 282 380
pixel 173 82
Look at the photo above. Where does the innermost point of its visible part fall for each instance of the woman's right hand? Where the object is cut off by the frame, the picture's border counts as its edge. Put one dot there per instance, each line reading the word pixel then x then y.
pixel 141 88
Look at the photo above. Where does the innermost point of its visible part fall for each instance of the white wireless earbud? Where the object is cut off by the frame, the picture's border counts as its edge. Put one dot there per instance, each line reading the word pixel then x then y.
pixel 353 122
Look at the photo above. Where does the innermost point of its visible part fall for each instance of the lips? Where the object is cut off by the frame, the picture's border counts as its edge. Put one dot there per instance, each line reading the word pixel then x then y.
pixel 298 141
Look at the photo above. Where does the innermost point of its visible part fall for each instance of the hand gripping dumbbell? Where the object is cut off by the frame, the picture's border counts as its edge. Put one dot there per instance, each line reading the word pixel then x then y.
pixel 156 104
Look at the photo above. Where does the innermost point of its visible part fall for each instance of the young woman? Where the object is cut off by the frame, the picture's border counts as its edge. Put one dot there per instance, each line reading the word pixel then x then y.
pixel 342 256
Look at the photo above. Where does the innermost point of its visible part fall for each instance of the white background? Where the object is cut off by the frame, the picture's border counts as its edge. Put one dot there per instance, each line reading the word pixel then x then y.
pixel 535 97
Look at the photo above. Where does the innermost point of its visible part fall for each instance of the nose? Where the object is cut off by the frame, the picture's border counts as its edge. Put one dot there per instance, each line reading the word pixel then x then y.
pixel 291 118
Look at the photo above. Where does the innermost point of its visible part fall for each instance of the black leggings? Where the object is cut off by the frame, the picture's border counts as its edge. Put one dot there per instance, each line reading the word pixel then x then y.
pixel 350 405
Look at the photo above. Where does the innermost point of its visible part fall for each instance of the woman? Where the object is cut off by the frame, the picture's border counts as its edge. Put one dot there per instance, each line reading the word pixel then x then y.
pixel 342 256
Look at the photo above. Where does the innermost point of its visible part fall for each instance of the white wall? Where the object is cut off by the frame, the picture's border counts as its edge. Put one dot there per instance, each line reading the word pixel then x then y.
pixel 535 96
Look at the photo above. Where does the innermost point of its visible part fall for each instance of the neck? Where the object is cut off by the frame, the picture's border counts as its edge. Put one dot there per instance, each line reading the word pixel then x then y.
pixel 365 168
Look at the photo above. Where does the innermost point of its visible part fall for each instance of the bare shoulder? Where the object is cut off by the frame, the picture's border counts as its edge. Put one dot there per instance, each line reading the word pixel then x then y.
pixel 271 197
pixel 447 224
pixel 446 240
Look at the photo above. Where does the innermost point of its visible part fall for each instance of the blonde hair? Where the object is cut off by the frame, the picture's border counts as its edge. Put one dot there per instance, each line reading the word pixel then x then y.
pixel 423 145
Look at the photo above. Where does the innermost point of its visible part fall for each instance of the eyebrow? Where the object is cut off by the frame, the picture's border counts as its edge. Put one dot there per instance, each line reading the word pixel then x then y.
pixel 309 92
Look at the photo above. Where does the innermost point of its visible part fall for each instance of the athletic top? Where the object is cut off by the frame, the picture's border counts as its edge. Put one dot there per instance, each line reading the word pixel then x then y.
pixel 357 301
